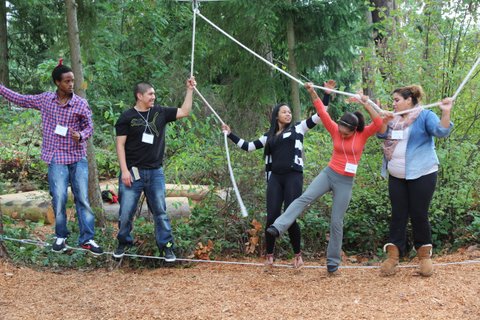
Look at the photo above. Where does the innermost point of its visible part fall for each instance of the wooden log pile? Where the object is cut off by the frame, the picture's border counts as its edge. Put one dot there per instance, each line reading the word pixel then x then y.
pixel 36 205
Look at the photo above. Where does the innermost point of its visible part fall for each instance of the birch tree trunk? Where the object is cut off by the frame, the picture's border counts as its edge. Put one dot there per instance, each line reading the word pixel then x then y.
pixel 94 193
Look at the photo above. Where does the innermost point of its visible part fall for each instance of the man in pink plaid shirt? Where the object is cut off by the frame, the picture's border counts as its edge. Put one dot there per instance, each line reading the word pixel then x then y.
pixel 66 126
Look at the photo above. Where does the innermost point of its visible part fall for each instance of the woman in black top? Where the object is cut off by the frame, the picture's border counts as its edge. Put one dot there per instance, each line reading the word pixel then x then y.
pixel 283 150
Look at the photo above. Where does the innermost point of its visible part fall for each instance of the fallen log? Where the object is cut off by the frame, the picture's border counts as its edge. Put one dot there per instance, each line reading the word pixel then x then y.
pixel 192 191
pixel 33 205
pixel 36 206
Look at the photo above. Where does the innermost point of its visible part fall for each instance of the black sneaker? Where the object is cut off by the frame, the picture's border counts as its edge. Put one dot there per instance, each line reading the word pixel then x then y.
pixel 93 247
pixel 120 251
pixel 273 231
pixel 169 255
pixel 59 245
pixel 332 269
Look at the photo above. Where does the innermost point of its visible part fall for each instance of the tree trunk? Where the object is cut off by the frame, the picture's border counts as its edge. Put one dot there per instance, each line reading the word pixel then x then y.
pixel 3 250
pixel 292 67
pixel 367 72
pixel 382 9
pixel 3 44
pixel 94 193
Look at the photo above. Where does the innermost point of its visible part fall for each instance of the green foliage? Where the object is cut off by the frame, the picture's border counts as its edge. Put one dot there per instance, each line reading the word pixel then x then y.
pixel 43 256
pixel 193 153
pixel 20 165
pixel 432 43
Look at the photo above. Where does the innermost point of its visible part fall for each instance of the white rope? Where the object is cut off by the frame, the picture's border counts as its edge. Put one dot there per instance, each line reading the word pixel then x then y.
pixel 466 78
pixel 249 50
pixel 256 264
pixel 457 92
pixel 195 10
pixel 280 69
pixel 208 105
pixel 243 209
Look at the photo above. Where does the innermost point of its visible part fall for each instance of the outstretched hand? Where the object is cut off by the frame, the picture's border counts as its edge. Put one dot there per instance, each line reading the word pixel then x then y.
pixel 226 128
pixel 359 98
pixel 446 104
pixel 309 86
pixel 331 84
pixel 191 83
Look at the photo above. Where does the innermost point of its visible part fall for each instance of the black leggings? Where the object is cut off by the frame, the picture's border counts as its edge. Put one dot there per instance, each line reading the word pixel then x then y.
pixel 282 189
pixel 411 199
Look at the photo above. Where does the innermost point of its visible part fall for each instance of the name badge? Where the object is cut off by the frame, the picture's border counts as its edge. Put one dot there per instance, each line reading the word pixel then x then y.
pixel 286 135
pixel 61 130
pixel 397 134
pixel 147 138
pixel 351 168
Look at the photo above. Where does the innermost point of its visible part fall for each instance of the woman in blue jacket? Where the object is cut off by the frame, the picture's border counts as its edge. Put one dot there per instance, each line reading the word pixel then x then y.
pixel 412 164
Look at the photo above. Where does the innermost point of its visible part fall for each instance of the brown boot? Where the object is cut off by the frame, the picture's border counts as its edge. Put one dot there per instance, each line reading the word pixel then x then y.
pixel 388 266
pixel 424 254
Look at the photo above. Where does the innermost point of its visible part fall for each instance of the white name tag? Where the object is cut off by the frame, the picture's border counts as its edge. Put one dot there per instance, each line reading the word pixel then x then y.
pixel 147 138
pixel 61 130
pixel 351 168
pixel 286 135
pixel 397 134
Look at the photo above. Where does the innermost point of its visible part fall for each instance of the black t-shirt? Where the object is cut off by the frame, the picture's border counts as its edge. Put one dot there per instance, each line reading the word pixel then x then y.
pixel 132 124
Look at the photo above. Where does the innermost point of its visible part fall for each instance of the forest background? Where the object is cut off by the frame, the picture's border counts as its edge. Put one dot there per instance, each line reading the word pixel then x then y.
pixel 375 45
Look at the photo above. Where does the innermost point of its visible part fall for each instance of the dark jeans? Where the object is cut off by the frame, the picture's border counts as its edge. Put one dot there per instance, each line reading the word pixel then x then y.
pixel 152 183
pixel 411 199
pixel 282 189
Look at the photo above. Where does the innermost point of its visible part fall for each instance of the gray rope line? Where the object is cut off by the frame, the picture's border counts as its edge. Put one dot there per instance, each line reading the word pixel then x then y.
pixel 255 264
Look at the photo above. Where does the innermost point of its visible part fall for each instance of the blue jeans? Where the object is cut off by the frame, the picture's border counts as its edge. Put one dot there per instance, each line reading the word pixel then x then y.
pixel 59 175
pixel 152 183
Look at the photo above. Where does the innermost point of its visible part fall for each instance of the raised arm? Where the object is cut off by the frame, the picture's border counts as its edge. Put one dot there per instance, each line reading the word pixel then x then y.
pixel 327 121
pixel 446 107
pixel 24 101
pixel 379 124
pixel 186 107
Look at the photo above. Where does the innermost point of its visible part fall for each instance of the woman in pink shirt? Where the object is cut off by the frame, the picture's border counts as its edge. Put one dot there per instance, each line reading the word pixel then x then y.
pixel 349 138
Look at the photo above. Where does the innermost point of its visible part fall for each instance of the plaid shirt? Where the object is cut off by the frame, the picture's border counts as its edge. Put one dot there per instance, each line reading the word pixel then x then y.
pixel 75 115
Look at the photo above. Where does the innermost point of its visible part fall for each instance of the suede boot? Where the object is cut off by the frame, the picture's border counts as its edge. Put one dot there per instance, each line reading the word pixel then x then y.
pixel 424 254
pixel 388 266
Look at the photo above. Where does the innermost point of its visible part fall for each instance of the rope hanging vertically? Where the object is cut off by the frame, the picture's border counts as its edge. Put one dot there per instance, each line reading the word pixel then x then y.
pixel 243 209
pixel 195 10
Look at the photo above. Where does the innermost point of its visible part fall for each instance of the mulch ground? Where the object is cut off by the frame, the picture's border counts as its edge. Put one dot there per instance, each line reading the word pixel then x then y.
pixel 214 291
